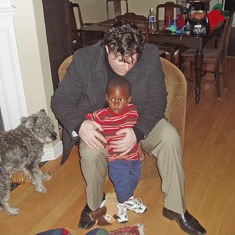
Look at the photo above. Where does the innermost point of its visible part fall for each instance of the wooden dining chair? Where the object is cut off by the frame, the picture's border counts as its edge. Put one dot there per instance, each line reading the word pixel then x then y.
pixel 80 39
pixel 76 33
pixel 214 56
pixel 140 20
pixel 168 9
pixel 117 7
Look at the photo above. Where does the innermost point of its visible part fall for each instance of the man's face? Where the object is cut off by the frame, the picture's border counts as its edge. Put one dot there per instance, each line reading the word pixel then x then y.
pixel 118 98
pixel 118 66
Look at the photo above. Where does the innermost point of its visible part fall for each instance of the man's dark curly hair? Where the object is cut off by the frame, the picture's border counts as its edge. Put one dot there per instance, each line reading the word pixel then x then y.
pixel 123 39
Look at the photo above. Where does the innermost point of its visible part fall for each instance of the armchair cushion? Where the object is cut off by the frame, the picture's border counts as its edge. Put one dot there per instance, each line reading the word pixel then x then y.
pixel 175 111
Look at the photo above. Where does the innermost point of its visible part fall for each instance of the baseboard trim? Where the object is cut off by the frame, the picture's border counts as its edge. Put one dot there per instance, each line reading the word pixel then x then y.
pixel 52 153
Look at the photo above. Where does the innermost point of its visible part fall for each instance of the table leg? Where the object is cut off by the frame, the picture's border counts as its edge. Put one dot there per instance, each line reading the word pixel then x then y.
pixel 198 74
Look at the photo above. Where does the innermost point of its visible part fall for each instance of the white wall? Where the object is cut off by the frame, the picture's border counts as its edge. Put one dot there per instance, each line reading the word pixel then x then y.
pixel 34 63
pixel 95 10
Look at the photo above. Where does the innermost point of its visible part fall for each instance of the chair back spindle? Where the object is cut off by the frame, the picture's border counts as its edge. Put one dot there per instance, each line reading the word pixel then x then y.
pixel 117 7
pixel 225 47
pixel 80 38
pixel 140 20
pixel 224 39
pixel 77 40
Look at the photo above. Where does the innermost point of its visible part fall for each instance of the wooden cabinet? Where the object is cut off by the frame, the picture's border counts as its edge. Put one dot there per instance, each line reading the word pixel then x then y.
pixel 59 36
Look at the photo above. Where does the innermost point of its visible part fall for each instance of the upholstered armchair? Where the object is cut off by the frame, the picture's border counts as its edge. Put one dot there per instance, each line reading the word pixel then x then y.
pixel 175 110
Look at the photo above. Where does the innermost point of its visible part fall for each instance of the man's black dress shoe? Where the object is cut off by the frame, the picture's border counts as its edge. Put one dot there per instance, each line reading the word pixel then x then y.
pixel 186 222
pixel 85 221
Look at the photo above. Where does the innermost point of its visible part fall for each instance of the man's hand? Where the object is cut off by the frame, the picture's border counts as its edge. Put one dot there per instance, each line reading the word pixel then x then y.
pixel 125 145
pixel 89 134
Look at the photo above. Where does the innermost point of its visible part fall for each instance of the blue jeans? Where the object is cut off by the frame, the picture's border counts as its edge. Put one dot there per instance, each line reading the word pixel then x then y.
pixel 125 176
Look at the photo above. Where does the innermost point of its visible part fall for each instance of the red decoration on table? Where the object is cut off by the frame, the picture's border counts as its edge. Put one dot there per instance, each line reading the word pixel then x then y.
pixel 215 17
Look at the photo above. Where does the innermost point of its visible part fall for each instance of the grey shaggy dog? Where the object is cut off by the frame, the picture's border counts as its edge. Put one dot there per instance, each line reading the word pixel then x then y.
pixel 21 149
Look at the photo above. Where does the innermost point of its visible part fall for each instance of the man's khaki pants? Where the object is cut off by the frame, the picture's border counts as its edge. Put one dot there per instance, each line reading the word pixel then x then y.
pixel 164 143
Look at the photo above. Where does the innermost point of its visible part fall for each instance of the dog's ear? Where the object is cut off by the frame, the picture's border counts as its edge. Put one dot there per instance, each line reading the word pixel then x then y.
pixel 43 110
pixel 30 121
pixel 23 120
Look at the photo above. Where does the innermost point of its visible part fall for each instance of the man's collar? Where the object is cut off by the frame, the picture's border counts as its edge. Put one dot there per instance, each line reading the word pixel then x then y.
pixel 99 63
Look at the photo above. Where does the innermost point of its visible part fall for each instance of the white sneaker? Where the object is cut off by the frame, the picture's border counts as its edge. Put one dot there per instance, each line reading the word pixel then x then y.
pixel 122 213
pixel 135 204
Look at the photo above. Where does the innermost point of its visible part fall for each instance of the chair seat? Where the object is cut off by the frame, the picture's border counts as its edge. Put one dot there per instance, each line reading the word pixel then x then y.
pixel 208 54
pixel 162 53
pixel 170 48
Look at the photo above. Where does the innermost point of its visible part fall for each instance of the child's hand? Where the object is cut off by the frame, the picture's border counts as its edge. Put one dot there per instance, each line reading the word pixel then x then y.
pixel 141 152
pixel 104 144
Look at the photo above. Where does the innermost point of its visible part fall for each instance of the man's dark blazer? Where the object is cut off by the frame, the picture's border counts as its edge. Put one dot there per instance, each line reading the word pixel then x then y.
pixel 82 90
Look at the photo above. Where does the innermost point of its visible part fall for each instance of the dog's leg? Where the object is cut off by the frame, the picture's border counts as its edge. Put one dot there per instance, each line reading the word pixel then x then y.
pixel 35 176
pixel 5 184
pixel 45 176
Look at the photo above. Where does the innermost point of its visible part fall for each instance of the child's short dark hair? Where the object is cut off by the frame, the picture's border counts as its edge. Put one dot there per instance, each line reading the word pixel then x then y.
pixel 119 82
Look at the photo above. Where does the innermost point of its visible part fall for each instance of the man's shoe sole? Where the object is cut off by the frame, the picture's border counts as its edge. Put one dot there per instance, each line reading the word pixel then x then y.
pixel 168 216
pixel 87 227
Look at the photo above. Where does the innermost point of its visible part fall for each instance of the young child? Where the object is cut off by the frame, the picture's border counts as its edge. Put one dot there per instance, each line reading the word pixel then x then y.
pixel 124 171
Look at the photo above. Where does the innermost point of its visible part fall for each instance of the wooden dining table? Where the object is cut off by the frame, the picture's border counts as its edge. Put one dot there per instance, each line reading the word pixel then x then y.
pixel 191 41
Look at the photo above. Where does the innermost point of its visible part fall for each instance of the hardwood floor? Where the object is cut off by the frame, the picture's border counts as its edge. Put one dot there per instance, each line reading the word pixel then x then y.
pixel 209 164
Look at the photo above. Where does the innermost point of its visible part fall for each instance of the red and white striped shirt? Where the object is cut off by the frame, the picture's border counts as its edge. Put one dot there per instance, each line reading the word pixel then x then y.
pixel 111 123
